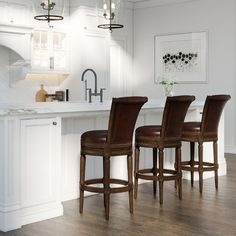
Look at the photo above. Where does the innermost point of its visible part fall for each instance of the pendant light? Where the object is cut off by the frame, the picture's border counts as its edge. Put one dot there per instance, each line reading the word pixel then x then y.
pixel 47 6
pixel 110 13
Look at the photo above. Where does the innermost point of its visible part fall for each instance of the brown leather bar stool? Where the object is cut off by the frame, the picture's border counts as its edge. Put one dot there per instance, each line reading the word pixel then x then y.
pixel 166 135
pixel 204 131
pixel 115 141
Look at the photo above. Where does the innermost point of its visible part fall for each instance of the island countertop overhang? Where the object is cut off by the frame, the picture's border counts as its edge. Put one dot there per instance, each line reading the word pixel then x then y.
pixel 65 108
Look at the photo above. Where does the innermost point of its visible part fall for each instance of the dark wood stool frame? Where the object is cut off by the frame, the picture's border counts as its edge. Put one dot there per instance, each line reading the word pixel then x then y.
pixel 204 131
pixel 168 135
pixel 115 141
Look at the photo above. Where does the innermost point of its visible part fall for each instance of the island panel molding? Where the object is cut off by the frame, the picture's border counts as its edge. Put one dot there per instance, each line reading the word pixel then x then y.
pixel 40 149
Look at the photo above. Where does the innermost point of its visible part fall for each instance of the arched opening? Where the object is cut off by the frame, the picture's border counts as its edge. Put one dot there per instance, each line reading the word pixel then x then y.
pixel 11 64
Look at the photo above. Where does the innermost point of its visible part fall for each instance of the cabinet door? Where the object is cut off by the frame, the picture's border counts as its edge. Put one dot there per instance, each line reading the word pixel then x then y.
pixel 49 50
pixel 15 13
pixel 41 163
pixel 40 52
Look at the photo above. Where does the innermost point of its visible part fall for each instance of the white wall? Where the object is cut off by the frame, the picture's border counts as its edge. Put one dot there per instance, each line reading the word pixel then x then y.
pixel 219 19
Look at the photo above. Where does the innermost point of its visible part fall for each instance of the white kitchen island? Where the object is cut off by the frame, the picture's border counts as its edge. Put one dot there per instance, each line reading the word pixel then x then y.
pixel 40 149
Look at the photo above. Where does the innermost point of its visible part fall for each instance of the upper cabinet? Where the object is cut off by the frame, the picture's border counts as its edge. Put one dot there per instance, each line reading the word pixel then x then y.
pixel 15 12
pixel 49 57
pixel 49 51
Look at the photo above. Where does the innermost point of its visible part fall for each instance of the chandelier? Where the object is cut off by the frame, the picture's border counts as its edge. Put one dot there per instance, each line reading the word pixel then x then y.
pixel 48 6
pixel 110 10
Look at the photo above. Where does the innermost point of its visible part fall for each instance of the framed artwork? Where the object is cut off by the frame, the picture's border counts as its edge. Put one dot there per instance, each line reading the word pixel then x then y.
pixel 183 56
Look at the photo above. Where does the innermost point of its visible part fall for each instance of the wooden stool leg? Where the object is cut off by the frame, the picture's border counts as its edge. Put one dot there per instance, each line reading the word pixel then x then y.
pixel 103 161
pixel 154 171
pixel 215 152
pixel 176 168
pixel 192 148
pixel 107 185
pixel 200 168
pixel 179 172
pixel 82 179
pixel 161 153
pixel 130 182
pixel 136 169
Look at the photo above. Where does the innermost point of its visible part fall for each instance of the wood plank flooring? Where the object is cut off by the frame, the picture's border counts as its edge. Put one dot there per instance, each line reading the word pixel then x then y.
pixel 212 214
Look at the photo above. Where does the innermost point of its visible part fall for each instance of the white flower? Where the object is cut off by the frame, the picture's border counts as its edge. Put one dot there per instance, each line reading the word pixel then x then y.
pixel 168 79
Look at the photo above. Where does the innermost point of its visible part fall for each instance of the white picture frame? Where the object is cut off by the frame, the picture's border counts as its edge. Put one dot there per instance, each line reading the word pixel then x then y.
pixel 183 55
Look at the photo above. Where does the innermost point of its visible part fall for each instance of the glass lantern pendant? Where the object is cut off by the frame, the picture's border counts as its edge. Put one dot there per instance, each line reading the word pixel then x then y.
pixel 48 6
pixel 110 13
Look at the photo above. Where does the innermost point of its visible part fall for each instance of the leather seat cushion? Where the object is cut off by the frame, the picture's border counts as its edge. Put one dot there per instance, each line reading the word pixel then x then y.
pixel 150 136
pixel 94 136
pixel 148 131
pixel 191 131
pixel 191 127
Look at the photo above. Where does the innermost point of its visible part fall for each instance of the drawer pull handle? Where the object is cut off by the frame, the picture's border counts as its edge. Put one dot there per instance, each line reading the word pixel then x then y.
pixel 54 123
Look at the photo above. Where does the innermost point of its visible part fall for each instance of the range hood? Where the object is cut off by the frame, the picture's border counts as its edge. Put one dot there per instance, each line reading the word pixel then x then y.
pixel 15 47
pixel 17 38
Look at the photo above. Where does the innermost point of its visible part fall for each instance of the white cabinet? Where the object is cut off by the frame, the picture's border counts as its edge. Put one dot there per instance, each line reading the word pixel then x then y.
pixel 30 170
pixel 15 12
pixel 40 168
pixel 49 57
pixel 49 50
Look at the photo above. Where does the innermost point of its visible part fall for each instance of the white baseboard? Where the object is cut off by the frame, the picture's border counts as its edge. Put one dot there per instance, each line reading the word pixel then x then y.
pixel 11 220
pixel 230 149
pixel 42 212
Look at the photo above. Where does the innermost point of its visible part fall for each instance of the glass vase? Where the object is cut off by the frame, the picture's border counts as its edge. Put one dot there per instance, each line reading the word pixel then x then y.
pixel 168 90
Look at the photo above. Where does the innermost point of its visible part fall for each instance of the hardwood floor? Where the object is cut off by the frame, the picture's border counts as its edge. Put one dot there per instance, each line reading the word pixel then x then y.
pixel 212 214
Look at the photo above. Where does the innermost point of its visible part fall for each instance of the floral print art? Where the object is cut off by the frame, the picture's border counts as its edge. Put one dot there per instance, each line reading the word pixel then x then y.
pixel 180 62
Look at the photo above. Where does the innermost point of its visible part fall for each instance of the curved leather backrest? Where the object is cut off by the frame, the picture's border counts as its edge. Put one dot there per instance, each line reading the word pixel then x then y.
pixel 174 114
pixel 123 116
pixel 212 111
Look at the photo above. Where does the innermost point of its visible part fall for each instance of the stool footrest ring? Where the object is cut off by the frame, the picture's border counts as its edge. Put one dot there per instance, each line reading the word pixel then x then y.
pixel 207 166
pixel 95 189
pixel 142 174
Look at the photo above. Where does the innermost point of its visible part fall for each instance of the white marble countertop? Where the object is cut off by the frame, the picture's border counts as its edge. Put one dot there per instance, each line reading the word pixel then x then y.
pixel 70 107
